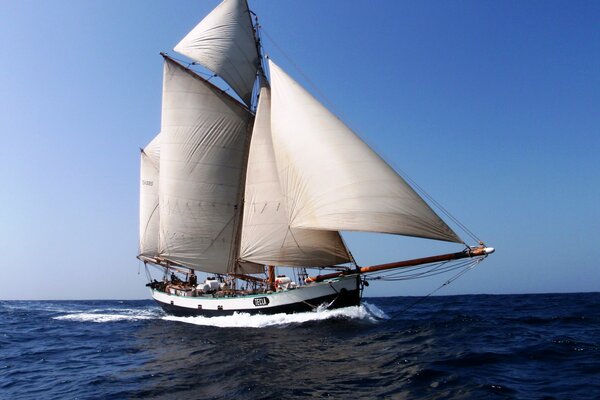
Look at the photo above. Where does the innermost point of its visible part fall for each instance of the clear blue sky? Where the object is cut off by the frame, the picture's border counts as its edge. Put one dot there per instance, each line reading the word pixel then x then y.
pixel 492 106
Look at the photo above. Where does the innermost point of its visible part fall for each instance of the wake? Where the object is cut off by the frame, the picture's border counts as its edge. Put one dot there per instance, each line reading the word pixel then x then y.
pixel 111 315
pixel 365 312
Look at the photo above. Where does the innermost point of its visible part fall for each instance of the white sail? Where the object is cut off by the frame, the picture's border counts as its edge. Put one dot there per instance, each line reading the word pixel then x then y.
pixel 332 180
pixel 204 137
pixel 224 43
pixel 149 213
pixel 266 235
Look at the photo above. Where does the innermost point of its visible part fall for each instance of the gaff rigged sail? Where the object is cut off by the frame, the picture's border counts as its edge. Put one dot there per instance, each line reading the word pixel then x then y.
pixel 203 148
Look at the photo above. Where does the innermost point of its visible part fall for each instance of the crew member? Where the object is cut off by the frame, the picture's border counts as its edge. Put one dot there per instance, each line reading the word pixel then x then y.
pixel 193 279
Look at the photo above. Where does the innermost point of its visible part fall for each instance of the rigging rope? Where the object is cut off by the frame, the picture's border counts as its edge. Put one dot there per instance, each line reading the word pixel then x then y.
pixel 439 206
pixel 148 274
pixel 468 265
pixel 301 72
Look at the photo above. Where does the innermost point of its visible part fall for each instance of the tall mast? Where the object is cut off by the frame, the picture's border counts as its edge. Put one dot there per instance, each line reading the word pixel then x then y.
pixel 259 48
pixel 239 217
pixel 238 223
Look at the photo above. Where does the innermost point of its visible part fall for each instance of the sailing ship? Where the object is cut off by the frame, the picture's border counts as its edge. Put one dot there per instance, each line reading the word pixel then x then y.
pixel 244 182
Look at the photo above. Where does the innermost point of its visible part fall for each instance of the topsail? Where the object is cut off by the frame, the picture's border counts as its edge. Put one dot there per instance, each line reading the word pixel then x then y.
pixel 224 43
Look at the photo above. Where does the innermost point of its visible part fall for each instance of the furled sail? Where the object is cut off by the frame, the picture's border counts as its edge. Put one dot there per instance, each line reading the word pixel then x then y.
pixel 266 235
pixel 149 213
pixel 224 43
pixel 204 141
pixel 332 180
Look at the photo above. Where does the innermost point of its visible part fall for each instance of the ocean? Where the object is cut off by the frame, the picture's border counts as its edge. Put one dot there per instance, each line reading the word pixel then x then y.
pixel 542 346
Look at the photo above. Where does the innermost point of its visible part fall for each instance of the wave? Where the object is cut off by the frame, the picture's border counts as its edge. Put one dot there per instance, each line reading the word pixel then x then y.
pixel 375 311
pixel 68 306
pixel 101 316
pixel 37 306
pixel 365 312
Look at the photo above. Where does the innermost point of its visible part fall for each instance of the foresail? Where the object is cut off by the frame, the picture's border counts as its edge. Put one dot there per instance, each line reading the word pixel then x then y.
pixel 149 213
pixel 224 43
pixel 203 147
pixel 266 235
pixel 332 180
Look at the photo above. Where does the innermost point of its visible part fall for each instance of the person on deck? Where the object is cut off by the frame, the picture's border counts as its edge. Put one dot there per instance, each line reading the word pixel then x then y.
pixel 193 280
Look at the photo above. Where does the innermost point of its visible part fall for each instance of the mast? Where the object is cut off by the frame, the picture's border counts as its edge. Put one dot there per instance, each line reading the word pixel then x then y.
pixel 271 279
pixel 238 223
pixel 239 218
pixel 259 49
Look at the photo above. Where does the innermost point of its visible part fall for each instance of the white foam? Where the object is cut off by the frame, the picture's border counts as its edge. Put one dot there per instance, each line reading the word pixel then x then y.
pixel 375 311
pixel 101 317
pixel 242 320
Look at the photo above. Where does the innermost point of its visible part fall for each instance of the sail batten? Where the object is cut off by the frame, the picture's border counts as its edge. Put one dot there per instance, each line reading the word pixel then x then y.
pixel 267 237
pixel 224 42
pixel 332 180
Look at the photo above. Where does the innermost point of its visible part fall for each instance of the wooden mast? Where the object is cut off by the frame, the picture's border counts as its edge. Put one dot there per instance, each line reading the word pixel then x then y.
pixel 271 278
pixel 469 253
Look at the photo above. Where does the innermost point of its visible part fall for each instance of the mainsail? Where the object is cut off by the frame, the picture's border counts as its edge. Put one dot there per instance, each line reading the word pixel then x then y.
pixel 224 43
pixel 204 135
pixel 149 213
pixel 332 180
pixel 267 237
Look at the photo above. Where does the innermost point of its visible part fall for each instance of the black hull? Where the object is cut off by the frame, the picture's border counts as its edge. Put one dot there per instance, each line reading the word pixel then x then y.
pixel 344 299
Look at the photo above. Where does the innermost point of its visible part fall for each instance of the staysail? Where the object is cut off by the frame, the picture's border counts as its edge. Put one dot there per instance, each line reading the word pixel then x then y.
pixel 149 213
pixel 332 180
pixel 266 235
pixel 204 135
pixel 224 43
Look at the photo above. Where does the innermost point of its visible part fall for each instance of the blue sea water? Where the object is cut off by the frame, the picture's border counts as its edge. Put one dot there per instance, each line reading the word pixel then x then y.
pixel 543 346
